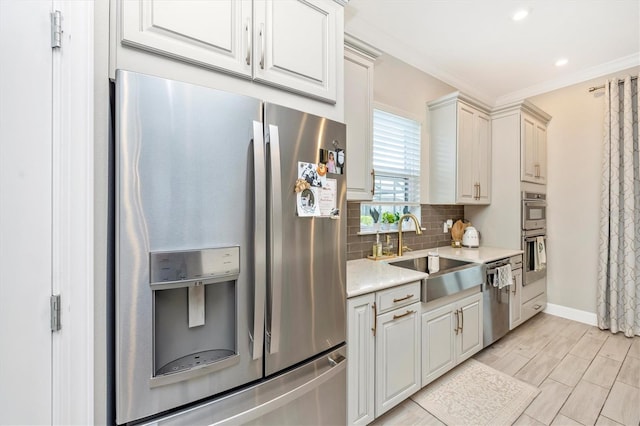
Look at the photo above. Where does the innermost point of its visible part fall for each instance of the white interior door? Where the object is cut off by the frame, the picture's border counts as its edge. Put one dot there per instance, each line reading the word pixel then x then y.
pixel 25 212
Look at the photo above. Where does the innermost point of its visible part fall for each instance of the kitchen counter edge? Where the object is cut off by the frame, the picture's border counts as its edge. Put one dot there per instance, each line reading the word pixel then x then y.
pixel 367 276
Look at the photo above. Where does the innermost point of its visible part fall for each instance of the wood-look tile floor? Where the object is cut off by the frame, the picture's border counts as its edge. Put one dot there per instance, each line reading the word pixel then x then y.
pixel 586 376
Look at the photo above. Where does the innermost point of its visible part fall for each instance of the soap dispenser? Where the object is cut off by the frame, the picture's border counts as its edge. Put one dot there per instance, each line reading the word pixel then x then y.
pixel 388 247
pixel 377 247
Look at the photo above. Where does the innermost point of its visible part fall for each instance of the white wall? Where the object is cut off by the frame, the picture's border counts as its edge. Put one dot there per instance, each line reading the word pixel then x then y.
pixel 573 191
pixel 405 88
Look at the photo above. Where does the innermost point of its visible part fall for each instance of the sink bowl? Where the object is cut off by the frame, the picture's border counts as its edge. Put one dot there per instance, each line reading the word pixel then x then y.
pixel 453 277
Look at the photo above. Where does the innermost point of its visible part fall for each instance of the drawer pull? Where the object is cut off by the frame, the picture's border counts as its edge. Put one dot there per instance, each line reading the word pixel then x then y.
pixel 395 317
pixel 536 306
pixel 408 296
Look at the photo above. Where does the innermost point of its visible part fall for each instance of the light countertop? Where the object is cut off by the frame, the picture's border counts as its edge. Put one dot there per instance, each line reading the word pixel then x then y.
pixel 476 255
pixel 367 276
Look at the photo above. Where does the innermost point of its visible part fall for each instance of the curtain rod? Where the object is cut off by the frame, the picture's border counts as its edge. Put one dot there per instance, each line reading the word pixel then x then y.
pixel 593 89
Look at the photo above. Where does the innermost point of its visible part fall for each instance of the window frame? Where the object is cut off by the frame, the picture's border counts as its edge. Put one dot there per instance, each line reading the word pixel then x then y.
pixel 413 206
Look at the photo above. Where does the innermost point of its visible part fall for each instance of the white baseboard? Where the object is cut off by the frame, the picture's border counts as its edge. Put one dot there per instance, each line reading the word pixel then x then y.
pixel 572 314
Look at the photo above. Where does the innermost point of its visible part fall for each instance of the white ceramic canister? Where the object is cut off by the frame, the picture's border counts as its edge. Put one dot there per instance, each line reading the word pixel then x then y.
pixel 433 262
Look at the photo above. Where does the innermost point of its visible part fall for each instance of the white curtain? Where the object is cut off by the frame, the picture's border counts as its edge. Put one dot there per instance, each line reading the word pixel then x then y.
pixel 619 262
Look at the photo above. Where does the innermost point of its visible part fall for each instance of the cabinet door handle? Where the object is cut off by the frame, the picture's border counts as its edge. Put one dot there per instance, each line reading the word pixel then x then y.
pixel 373 182
pixel 248 30
pixel 515 286
pixel 375 314
pixel 395 317
pixel 457 322
pixel 262 45
pixel 408 296
pixel 462 320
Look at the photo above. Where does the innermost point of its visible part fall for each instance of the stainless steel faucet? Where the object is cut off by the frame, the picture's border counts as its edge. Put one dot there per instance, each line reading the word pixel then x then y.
pixel 418 229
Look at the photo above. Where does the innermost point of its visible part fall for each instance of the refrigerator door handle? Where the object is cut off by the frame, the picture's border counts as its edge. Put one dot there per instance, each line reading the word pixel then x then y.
pixel 259 223
pixel 276 240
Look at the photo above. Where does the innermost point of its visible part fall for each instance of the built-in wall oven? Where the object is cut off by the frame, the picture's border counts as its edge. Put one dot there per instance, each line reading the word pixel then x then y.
pixel 534 211
pixel 534 268
pixel 534 239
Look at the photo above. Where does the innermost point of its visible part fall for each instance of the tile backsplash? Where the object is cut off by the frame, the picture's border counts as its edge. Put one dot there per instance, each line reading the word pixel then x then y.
pixel 359 246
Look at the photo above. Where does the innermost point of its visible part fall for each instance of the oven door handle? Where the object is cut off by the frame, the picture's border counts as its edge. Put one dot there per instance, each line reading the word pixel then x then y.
pixel 534 238
pixel 536 203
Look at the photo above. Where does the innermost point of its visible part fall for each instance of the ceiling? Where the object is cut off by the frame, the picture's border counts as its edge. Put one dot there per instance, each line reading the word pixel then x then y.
pixel 478 48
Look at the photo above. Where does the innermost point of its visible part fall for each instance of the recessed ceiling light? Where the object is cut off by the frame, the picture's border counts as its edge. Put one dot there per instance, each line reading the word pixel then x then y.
pixel 520 15
pixel 562 62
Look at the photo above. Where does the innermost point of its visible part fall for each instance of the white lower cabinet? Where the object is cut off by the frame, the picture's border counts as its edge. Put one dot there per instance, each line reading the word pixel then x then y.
pixel 361 320
pixel 397 356
pixel 383 351
pixel 515 300
pixel 534 298
pixel 450 334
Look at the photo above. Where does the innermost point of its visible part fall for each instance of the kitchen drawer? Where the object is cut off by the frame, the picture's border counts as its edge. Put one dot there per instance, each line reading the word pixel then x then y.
pixel 533 289
pixel 534 306
pixel 396 297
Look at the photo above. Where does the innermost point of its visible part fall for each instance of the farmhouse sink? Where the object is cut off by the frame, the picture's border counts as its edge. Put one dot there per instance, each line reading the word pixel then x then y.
pixel 453 277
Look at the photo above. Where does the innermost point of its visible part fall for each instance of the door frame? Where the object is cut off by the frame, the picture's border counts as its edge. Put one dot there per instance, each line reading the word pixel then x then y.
pixel 73 217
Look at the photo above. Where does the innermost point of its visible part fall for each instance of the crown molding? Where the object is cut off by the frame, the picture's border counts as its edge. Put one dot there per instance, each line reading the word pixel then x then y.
pixel 616 65
pixel 520 106
pixel 459 96
pixel 361 47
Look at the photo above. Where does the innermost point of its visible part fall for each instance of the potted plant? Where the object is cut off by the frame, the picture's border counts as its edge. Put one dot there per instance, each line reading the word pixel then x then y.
pixel 388 219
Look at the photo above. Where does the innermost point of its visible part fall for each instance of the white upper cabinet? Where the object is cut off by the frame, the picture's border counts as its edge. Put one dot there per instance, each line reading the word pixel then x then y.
pixel 474 155
pixel 295 45
pixel 215 34
pixel 460 151
pixel 358 115
pixel 534 149
pixel 291 44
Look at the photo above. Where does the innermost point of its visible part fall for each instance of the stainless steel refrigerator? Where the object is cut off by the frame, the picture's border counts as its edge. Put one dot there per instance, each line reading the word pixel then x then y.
pixel 230 241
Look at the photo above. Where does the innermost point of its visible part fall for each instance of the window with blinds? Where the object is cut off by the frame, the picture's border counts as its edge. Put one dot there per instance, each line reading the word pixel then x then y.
pixel 396 163
pixel 396 158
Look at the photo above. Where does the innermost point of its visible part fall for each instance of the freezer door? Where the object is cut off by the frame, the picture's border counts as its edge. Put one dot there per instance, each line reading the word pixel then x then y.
pixel 307 257
pixel 311 394
pixel 188 178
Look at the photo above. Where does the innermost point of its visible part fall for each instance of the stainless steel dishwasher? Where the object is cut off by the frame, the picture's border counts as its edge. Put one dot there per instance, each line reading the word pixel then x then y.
pixel 496 301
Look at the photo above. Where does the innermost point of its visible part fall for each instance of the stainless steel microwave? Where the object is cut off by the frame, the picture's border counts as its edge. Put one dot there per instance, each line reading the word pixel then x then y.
pixel 534 211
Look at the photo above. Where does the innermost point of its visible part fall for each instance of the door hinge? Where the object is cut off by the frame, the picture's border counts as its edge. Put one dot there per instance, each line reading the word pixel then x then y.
pixel 56 29
pixel 55 312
